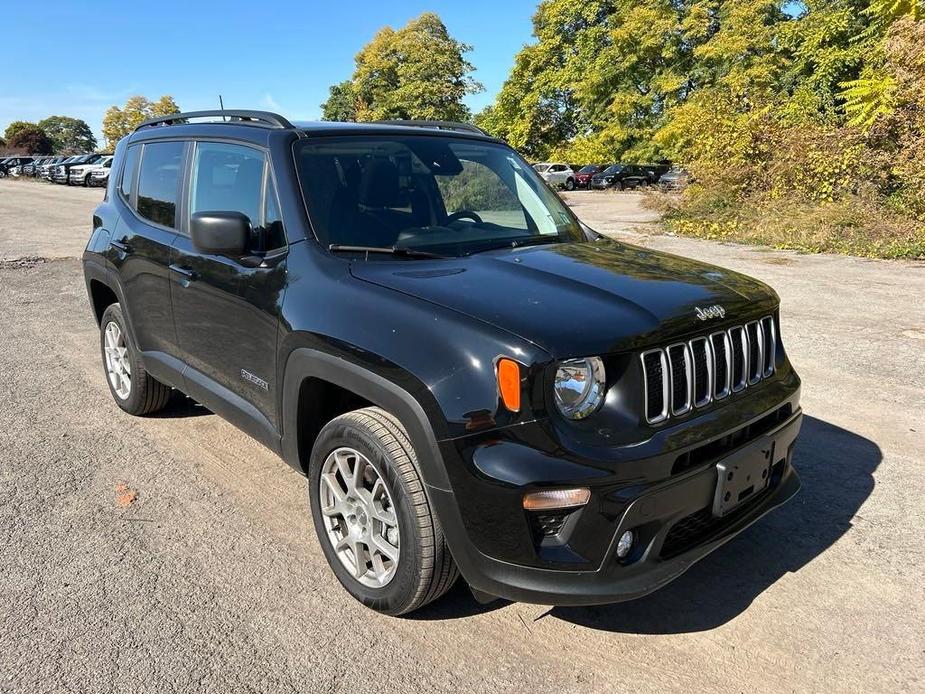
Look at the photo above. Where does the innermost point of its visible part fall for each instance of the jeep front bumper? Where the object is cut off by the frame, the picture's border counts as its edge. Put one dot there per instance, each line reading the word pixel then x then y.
pixel 673 518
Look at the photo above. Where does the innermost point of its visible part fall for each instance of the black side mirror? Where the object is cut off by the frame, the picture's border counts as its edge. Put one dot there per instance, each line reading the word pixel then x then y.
pixel 221 233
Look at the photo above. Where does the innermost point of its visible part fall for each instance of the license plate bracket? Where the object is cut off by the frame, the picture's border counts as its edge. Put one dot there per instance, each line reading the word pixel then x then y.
pixel 742 475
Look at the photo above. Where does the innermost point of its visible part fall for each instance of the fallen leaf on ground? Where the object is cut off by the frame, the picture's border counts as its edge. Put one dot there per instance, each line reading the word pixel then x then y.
pixel 124 495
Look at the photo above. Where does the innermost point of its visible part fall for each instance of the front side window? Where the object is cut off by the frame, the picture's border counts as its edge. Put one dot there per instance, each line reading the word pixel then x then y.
pixel 232 178
pixel 227 178
pixel 435 194
pixel 158 182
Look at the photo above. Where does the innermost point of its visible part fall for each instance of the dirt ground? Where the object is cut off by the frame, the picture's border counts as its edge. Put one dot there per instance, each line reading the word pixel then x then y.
pixel 172 553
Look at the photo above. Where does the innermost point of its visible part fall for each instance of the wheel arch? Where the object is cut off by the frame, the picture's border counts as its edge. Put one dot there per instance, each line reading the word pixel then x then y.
pixel 308 368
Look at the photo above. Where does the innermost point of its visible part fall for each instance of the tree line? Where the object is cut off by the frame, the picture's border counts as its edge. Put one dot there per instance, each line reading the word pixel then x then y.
pixel 67 135
pixel 814 107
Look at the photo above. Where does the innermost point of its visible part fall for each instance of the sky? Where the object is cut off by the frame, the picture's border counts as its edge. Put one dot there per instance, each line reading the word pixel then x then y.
pixel 279 56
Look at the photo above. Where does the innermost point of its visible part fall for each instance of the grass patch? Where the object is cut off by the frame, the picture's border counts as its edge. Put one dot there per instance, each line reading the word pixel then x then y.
pixel 855 225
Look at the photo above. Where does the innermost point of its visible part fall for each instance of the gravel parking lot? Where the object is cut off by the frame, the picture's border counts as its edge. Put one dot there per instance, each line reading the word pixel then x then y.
pixel 173 553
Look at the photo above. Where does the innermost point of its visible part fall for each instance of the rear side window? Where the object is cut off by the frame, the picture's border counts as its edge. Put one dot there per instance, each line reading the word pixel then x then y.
pixel 129 171
pixel 158 181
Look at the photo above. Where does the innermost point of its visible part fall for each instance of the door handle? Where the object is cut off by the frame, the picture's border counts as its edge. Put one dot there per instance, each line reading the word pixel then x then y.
pixel 121 246
pixel 186 273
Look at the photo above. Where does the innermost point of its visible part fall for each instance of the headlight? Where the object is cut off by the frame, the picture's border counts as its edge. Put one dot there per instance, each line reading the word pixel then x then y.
pixel 580 386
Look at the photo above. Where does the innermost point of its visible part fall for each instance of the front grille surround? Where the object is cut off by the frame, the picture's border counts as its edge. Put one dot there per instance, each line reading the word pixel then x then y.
pixel 690 375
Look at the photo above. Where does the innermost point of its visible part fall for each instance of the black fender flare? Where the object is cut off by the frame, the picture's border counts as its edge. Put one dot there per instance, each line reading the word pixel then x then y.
pixel 305 362
pixel 94 271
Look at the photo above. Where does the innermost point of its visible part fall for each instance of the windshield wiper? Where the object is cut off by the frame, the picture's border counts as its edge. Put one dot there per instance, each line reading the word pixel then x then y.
pixel 391 250
pixel 536 240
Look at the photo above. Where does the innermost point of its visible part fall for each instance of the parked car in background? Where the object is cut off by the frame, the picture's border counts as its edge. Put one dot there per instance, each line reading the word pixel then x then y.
pixel 53 172
pixel 584 174
pixel 16 162
pixel 30 168
pixel 675 179
pixel 80 173
pixel 556 174
pixel 44 169
pixel 62 172
pixel 621 176
pixel 655 172
pixel 99 175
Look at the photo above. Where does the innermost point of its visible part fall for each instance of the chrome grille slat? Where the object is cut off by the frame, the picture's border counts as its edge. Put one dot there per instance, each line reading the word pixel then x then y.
pixel 703 372
pixel 680 367
pixel 685 376
pixel 754 336
pixel 739 343
pixel 769 331
pixel 655 380
pixel 722 367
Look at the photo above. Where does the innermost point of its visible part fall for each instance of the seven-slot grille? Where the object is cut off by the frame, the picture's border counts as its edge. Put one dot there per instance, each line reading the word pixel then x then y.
pixel 693 374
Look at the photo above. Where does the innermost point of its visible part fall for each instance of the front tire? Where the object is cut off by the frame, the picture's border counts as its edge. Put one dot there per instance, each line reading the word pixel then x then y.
pixel 376 527
pixel 570 184
pixel 133 388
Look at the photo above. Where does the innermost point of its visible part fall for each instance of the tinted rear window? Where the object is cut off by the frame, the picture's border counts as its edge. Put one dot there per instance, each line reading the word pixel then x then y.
pixel 158 181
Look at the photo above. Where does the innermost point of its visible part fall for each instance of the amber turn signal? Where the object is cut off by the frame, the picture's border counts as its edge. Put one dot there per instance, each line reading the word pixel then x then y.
pixel 509 383
pixel 556 498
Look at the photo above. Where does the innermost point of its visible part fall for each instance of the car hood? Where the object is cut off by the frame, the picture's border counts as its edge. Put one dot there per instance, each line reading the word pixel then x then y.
pixel 579 299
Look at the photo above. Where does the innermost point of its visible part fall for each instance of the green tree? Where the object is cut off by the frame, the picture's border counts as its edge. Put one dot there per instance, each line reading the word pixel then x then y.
pixel 31 139
pixel 68 135
pixel 15 127
pixel 341 104
pixel 416 72
pixel 119 122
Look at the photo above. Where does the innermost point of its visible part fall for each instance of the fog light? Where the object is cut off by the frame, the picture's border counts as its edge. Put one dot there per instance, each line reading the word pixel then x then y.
pixel 625 544
pixel 556 498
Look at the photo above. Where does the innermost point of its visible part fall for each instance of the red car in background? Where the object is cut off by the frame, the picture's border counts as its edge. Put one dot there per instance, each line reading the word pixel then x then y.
pixel 583 177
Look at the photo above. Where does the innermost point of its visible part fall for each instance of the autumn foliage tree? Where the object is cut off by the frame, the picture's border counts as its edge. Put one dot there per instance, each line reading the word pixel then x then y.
pixel 119 122
pixel 416 72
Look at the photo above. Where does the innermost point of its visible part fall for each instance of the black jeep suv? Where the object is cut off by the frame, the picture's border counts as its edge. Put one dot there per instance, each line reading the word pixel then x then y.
pixel 472 380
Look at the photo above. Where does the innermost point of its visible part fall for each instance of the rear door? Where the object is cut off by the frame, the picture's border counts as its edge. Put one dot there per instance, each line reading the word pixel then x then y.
pixel 226 310
pixel 140 246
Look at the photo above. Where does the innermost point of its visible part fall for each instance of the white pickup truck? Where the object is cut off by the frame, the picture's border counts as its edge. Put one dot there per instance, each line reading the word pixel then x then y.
pixel 82 174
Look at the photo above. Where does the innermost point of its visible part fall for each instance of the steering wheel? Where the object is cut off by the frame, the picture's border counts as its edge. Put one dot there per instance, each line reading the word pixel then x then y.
pixel 463 214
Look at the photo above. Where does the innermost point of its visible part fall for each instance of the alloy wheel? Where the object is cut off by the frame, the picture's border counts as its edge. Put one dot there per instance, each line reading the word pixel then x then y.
pixel 117 362
pixel 360 519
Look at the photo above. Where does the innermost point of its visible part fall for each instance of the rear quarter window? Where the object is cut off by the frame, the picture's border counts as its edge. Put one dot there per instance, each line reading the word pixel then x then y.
pixel 129 171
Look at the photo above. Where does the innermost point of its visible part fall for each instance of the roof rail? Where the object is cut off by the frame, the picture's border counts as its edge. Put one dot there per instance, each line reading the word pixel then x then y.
pixel 438 124
pixel 261 118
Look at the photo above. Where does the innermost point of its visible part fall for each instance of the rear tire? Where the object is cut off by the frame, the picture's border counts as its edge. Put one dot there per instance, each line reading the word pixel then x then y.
pixel 133 388
pixel 373 447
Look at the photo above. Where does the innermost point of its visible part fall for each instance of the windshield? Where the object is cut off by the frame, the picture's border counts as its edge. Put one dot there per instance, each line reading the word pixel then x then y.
pixel 435 194
pixel 588 169
pixel 616 168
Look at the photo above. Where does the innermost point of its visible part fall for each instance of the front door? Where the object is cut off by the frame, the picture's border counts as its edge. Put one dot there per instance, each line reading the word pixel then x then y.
pixel 226 310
